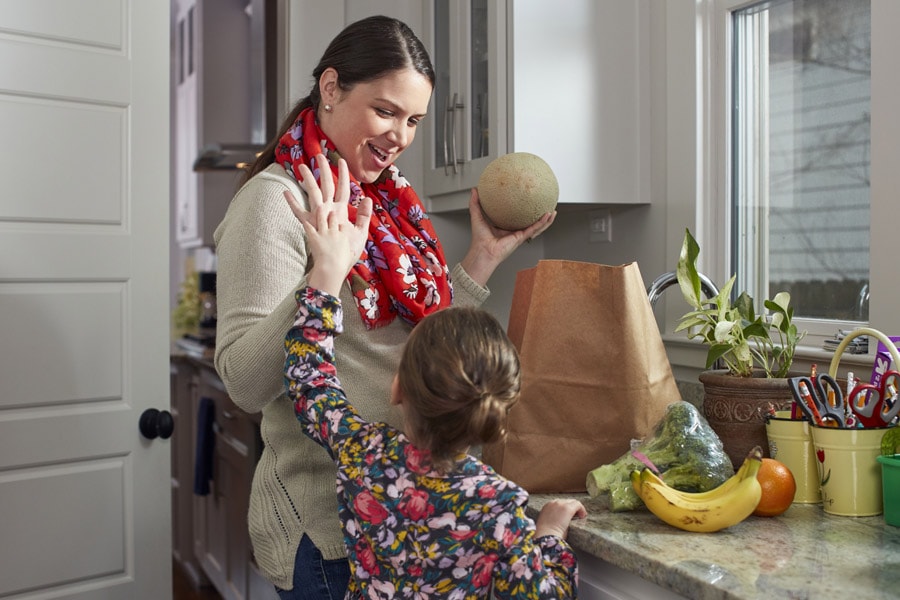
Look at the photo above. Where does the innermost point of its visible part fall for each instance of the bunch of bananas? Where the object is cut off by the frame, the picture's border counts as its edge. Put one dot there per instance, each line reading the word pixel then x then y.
pixel 716 509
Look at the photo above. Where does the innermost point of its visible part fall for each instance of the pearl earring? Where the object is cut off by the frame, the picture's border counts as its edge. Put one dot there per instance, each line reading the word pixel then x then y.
pixel 327 108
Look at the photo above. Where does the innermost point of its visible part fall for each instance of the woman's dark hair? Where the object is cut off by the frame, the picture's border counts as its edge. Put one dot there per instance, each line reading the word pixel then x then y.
pixel 364 51
pixel 459 375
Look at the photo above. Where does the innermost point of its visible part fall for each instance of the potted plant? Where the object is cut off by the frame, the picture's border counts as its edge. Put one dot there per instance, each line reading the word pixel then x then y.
pixel 754 352
pixel 736 335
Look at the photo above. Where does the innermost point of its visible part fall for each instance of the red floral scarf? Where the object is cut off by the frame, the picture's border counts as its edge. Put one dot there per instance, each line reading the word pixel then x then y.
pixel 402 270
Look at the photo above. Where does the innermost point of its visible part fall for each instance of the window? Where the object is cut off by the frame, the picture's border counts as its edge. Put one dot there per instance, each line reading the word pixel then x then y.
pixel 800 154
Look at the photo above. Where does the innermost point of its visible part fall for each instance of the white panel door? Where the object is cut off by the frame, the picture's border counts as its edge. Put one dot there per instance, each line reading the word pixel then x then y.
pixel 84 111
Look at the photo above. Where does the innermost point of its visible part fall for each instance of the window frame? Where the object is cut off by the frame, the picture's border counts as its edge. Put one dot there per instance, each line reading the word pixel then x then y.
pixel 699 182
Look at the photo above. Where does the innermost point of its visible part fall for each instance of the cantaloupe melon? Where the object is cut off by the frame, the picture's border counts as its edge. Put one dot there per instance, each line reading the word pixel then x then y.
pixel 516 189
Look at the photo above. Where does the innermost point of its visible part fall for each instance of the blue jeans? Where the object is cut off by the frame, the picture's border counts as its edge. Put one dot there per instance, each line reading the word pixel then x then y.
pixel 316 578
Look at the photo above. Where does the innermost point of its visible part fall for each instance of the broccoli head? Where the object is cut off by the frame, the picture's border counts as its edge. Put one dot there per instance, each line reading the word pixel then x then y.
pixel 684 449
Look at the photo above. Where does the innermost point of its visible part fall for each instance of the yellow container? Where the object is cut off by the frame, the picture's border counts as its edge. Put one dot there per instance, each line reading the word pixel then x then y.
pixel 790 443
pixel 849 473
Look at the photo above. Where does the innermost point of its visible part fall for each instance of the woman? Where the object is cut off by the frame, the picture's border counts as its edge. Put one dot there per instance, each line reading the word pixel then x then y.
pixel 372 87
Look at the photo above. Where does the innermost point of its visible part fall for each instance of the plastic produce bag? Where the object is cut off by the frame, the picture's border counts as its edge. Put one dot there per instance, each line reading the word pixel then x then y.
pixel 683 448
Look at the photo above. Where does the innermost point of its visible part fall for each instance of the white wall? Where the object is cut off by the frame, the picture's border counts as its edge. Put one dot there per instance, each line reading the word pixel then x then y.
pixel 885 209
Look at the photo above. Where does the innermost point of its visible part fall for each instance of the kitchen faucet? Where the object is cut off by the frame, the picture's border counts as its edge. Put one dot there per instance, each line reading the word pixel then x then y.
pixel 666 280
pixel 669 279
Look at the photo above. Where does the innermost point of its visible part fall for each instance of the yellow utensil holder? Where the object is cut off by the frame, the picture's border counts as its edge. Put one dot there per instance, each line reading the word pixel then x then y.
pixel 847 459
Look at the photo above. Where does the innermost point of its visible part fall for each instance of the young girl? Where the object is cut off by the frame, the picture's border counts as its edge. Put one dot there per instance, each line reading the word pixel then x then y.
pixel 421 518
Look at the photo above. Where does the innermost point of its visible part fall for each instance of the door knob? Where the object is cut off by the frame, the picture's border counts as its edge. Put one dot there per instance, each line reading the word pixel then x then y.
pixel 156 424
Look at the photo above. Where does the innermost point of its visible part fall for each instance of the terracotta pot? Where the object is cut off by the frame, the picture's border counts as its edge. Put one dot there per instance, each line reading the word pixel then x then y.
pixel 736 408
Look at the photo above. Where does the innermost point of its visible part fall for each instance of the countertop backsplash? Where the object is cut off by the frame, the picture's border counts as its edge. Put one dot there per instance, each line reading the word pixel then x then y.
pixel 691 391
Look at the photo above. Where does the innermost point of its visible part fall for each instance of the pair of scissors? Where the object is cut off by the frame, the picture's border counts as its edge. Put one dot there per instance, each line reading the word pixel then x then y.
pixel 877 406
pixel 820 398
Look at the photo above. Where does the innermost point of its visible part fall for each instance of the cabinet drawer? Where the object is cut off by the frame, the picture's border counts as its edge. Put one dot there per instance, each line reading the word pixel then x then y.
pixel 231 423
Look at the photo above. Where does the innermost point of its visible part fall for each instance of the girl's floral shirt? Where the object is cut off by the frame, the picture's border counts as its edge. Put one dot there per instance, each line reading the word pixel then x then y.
pixel 410 531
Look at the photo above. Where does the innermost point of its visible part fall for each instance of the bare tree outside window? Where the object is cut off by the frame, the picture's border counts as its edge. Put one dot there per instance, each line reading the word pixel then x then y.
pixel 801 154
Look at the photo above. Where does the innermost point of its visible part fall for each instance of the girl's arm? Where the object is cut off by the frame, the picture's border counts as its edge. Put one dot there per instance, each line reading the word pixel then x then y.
pixel 335 245
pixel 540 563
pixel 309 374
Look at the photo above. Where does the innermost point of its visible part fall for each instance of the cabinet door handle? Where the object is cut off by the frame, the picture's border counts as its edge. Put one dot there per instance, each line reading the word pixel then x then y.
pixel 447 113
pixel 452 109
pixel 238 446
pixel 182 218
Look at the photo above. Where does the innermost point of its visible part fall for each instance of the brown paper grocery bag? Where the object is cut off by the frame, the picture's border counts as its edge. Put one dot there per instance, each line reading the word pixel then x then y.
pixel 595 374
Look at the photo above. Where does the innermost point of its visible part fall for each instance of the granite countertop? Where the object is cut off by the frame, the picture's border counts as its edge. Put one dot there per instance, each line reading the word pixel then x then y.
pixel 803 553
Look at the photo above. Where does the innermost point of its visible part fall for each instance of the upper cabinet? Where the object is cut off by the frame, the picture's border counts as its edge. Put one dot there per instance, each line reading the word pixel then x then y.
pixel 210 100
pixel 580 95
pixel 184 137
pixel 467 42
pixel 570 84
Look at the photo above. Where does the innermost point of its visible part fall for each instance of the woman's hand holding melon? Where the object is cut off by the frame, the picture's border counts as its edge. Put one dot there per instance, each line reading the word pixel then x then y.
pixel 515 202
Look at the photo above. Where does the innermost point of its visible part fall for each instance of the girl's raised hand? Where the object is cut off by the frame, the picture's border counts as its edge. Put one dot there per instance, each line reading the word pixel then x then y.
pixel 322 194
pixel 334 242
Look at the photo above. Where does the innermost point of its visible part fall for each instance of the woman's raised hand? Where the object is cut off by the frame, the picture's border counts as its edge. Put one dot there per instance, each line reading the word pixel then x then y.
pixel 334 242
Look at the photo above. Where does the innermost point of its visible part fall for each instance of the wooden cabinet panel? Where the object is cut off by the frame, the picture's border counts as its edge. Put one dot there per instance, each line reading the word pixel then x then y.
pixel 183 385
pixel 211 530
pixel 221 538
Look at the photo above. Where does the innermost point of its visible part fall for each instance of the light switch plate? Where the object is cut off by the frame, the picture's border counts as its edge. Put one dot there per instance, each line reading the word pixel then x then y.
pixel 600 226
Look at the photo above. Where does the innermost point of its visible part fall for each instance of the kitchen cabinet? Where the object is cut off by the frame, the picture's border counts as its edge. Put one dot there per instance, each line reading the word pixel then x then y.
pixel 221 540
pixel 466 40
pixel 571 84
pixel 210 104
pixel 183 385
pixel 600 580
pixel 580 95
pixel 210 536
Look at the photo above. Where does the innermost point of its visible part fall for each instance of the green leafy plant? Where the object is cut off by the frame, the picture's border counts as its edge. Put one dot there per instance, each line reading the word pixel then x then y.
pixel 735 334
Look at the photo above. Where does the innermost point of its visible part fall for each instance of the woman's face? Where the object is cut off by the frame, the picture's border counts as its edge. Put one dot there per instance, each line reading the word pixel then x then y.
pixel 374 122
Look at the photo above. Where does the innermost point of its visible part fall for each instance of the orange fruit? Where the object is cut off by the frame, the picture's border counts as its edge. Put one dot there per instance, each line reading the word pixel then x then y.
pixel 778 488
